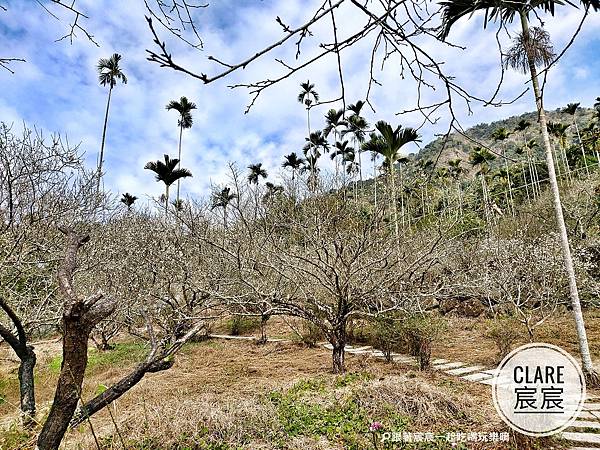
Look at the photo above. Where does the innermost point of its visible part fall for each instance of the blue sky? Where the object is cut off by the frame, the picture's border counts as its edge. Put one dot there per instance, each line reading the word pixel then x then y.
pixel 57 91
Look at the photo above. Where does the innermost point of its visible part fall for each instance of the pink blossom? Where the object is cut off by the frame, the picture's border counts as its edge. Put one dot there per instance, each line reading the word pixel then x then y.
pixel 375 426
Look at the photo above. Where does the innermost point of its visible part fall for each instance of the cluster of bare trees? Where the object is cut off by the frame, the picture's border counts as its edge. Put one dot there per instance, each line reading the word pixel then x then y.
pixel 70 261
pixel 74 260
pixel 79 262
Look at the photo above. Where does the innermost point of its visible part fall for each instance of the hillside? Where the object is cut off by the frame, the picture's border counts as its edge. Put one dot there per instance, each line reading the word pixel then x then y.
pixel 459 146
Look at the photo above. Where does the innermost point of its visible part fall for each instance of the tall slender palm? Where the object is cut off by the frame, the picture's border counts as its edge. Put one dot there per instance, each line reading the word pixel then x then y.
pixel 109 73
pixel 480 157
pixel 532 49
pixel 315 144
pixel 529 147
pixel 273 190
pixel 571 109
pixel 500 135
pixel 388 143
pixel 455 172
pixel 334 121
pixel 310 166
pixel 168 173
pixel 184 107
pixel 308 96
pixel 128 200
pixel 559 132
pixel 401 162
pixel 356 127
pixel 345 152
pixel 590 135
pixel 521 127
pixel 256 172
pixel 294 162
pixel 222 199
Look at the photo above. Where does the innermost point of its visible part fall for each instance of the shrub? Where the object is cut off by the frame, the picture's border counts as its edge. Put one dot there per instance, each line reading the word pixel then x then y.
pixel 310 334
pixel 420 332
pixel 503 331
pixel 388 334
pixel 240 324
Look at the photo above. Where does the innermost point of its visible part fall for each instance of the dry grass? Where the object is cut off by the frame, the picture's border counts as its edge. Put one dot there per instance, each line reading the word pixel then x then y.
pixel 264 397
pixel 464 341
pixel 219 391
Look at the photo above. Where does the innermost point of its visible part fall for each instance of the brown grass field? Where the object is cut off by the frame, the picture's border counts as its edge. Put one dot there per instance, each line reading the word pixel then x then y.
pixel 233 394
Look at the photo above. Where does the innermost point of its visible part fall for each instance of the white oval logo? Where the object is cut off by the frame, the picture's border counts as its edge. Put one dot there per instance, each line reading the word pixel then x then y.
pixel 538 389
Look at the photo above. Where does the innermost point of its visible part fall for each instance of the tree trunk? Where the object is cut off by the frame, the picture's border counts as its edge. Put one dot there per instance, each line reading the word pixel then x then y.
pixel 27 385
pixel 525 181
pixel 118 389
pixel 79 318
pixel 394 202
pixel 512 202
pixel 68 391
pixel 166 199
pixel 338 358
pixel 402 209
pixel 584 349
pixel 581 146
pixel 264 318
pixel 179 158
pixel 27 357
pixel 338 340
pixel 375 179
pixel 101 156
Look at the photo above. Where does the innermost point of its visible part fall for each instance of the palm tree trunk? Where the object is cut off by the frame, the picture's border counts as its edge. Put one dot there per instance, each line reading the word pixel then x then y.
pixel 485 198
pixel 537 176
pixel 525 181
pixel 179 157
pixel 402 195
pixel 359 166
pixel 512 203
pixel 584 349
pixel 101 155
pixel 581 146
pixel 394 202
pixel 460 203
pixel 375 178
pixel 166 199
pixel 531 174
pixel 566 161
pixel 337 163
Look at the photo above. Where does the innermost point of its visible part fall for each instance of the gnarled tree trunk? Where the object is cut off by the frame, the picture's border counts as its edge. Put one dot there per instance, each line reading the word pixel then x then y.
pixel 80 315
pixel 26 354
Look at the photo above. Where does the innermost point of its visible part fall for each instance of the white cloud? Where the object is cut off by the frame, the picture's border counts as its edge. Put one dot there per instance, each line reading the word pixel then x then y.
pixel 57 88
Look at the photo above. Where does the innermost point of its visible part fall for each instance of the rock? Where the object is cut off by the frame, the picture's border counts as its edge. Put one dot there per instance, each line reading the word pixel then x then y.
pixel 430 303
pixel 470 308
pixel 462 306
pixel 448 305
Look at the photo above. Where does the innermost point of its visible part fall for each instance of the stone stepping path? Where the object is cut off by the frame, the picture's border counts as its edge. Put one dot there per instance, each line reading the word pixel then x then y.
pixel 464 370
pixel 588 419
pixel 585 438
pixel 590 415
pixel 480 376
pixel 447 366
pixel 586 424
